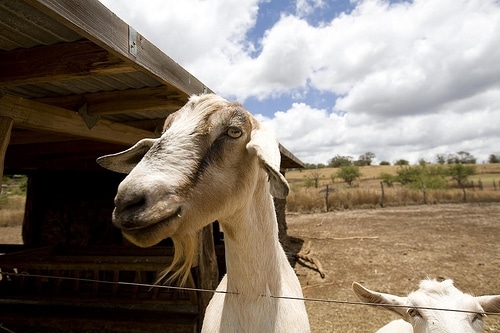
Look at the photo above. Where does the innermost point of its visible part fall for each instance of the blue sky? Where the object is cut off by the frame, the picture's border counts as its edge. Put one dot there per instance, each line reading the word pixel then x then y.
pixel 269 14
pixel 400 79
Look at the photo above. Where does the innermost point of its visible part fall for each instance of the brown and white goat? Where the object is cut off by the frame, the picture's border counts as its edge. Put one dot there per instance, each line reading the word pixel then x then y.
pixel 215 161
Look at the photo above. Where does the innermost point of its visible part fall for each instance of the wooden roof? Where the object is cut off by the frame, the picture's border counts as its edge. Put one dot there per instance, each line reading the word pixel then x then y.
pixel 77 82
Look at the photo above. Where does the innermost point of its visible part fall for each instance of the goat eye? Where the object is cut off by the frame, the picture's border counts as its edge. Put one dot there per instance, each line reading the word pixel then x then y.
pixel 412 312
pixel 234 132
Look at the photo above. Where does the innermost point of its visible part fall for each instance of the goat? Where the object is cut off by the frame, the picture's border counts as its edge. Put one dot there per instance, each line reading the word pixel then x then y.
pixel 418 318
pixel 215 161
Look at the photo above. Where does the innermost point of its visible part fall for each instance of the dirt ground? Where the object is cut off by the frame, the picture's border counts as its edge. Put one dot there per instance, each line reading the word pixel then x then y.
pixel 391 250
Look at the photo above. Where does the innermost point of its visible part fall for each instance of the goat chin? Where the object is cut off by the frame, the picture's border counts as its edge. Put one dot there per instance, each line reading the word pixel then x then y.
pixel 153 234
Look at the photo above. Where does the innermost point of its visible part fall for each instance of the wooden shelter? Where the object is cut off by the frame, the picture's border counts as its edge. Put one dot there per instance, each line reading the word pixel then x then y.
pixel 76 82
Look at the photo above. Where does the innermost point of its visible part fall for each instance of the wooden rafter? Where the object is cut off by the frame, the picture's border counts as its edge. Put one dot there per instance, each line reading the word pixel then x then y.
pixel 161 98
pixel 58 63
pixel 32 115
pixel 95 22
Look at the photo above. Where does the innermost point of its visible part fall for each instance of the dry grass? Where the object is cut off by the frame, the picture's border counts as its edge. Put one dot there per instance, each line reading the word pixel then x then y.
pixel 367 191
pixel 12 210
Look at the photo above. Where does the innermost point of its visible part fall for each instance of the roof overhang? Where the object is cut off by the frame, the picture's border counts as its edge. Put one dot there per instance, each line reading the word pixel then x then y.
pixel 77 82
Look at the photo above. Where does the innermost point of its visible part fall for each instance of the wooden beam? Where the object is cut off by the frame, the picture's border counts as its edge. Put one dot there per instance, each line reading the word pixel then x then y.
pixel 5 130
pixel 34 115
pixel 58 62
pixel 94 21
pixel 289 160
pixel 163 98
pixel 26 137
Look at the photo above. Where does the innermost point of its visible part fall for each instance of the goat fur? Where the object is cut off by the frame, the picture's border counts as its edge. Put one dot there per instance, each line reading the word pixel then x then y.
pixel 433 294
pixel 215 161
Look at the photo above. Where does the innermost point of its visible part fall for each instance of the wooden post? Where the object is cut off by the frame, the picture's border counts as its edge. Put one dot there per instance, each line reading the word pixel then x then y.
pixel 326 190
pixel 326 199
pixel 280 209
pixel 5 131
pixel 382 195
pixel 208 272
pixel 424 190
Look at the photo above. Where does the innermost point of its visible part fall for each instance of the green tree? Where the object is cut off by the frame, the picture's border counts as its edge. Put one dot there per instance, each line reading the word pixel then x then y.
pixel 466 158
pixel 494 158
pixel 460 173
pixel 410 175
pixel 461 157
pixel 340 161
pixel 385 163
pixel 401 162
pixel 440 159
pixel 313 178
pixel 349 173
pixel 422 162
pixel 422 176
pixel 365 159
pixel 389 179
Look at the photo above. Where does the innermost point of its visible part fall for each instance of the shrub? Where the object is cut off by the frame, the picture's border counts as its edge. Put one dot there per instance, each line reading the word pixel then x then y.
pixel 349 173
pixel 460 173
pixel 389 179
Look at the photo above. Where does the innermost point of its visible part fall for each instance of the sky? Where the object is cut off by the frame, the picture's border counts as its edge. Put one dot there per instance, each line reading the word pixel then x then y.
pixel 400 79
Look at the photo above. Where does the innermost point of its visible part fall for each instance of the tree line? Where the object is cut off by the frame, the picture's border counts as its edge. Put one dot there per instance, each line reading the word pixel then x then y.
pixel 366 159
pixel 421 176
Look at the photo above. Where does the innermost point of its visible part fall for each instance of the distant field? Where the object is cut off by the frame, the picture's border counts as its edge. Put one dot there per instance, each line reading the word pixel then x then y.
pixel 485 172
pixel 367 193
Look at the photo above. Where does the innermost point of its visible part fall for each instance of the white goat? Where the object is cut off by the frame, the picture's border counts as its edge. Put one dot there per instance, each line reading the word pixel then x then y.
pixel 215 161
pixel 432 294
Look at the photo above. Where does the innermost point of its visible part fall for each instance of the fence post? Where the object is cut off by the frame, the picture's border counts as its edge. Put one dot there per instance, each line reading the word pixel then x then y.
pixel 382 195
pixel 326 199
pixel 424 190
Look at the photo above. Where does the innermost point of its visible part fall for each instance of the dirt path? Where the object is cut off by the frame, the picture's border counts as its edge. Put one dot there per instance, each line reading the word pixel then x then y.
pixel 391 250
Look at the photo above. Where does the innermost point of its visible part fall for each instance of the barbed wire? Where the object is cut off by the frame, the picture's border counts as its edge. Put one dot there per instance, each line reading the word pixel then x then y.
pixel 182 288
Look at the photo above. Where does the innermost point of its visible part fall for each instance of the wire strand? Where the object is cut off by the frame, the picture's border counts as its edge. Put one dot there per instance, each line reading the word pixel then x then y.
pixel 306 299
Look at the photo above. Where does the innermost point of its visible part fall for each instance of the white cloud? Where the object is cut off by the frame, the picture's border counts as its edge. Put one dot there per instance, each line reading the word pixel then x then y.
pixel 192 30
pixel 316 135
pixel 307 7
pixel 414 78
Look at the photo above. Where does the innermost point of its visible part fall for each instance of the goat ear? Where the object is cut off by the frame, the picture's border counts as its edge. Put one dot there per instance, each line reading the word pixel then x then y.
pixel 264 144
pixel 125 161
pixel 387 300
pixel 489 303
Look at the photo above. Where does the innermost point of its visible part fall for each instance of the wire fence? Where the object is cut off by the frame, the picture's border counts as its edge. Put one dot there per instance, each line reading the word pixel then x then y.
pixel 305 299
